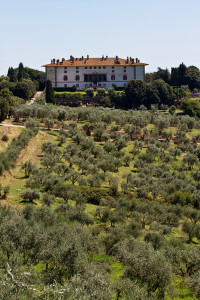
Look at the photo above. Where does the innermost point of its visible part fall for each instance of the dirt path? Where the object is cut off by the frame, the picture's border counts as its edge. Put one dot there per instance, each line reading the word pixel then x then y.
pixel 15 177
pixel 22 126
pixel 38 94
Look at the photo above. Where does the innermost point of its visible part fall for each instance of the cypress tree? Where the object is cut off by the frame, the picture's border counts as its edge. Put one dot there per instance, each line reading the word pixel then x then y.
pixel 181 74
pixel 12 75
pixel 20 72
pixel 174 76
pixel 49 92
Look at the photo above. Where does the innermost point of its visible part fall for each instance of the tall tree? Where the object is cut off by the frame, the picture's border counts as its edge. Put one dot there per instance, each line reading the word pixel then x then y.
pixel 49 92
pixel 192 77
pixel 152 96
pixel 20 72
pixel 135 93
pixel 165 92
pixel 4 109
pixel 12 75
pixel 163 74
pixel 174 76
pixel 181 74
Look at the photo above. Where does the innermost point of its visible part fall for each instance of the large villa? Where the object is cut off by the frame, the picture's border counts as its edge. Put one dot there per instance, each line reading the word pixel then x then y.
pixel 94 72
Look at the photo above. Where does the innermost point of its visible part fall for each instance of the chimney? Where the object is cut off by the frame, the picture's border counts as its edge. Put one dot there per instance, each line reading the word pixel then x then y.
pixel 57 61
pixel 82 57
pixel 106 57
pixel 54 61
pixel 130 58
pixel 87 56
pixel 102 57
pixel 127 58
pixel 63 60
pixel 51 61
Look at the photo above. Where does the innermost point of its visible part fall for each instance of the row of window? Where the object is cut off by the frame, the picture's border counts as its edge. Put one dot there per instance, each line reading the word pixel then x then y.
pixel 112 71
pixel 89 68
pixel 77 78
pixel 90 85
pixel 94 67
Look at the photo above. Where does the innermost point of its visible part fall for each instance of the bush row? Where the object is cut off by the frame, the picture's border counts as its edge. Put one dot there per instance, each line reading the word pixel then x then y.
pixel 65 89
pixel 9 157
pixel 68 95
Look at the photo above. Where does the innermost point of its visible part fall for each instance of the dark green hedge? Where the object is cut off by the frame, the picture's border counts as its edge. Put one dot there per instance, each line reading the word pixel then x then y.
pixel 65 89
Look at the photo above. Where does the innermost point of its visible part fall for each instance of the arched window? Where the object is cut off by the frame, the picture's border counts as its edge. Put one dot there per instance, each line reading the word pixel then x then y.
pixel 65 78
pixel 77 77
pixel 113 77
pixel 125 77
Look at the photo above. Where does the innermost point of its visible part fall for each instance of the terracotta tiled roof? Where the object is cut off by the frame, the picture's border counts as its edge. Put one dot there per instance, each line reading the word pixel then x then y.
pixel 84 62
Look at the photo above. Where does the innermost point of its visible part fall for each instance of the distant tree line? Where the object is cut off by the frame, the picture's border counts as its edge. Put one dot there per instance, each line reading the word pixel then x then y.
pixel 24 89
pixel 139 93
pixel 20 73
pixel 179 76
pixel 20 85
pixel 23 82
pixel 8 102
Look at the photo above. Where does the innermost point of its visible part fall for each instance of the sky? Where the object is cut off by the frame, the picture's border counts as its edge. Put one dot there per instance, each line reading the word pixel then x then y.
pixel 162 33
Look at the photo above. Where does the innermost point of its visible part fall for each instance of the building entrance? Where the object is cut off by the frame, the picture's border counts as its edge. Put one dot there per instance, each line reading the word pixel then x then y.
pixel 95 78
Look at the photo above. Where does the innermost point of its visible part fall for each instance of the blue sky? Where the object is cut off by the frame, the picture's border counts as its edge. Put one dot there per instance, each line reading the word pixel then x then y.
pixel 162 33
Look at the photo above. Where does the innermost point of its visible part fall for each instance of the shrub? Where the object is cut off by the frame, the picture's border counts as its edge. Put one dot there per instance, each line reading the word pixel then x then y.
pixel 155 239
pixel 48 199
pixel 191 107
pixel 6 191
pixel 93 194
pixel 105 101
pixel 172 110
pixel 89 92
pixel 4 138
pixel 31 195
pixel 101 92
pixel 180 197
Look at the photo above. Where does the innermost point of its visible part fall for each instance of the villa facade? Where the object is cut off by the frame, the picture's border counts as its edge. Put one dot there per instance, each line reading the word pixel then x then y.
pixel 94 72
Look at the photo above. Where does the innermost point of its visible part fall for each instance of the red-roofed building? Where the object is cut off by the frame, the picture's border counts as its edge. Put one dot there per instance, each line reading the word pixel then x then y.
pixel 94 72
